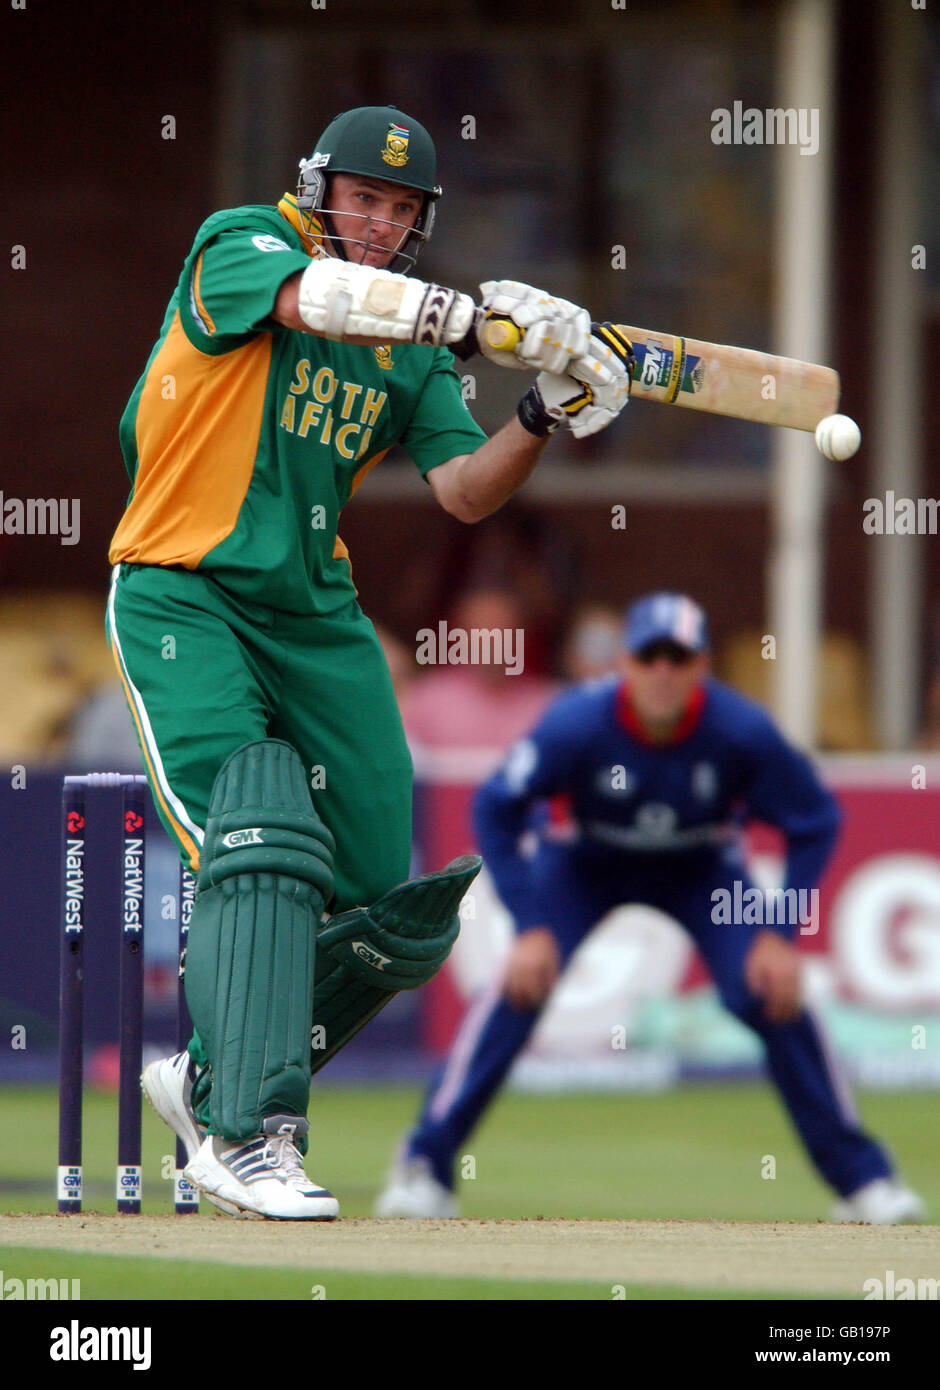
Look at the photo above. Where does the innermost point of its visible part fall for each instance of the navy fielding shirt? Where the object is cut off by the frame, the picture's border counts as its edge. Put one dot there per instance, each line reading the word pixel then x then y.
pixel 615 796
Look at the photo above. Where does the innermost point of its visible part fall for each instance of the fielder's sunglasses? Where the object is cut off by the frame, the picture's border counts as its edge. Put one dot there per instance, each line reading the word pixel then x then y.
pixel 675 654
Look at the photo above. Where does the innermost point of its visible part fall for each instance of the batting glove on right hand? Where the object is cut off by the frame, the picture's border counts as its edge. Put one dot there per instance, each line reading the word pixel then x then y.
pixel 609 360
pixel 563 400
pixel 604 373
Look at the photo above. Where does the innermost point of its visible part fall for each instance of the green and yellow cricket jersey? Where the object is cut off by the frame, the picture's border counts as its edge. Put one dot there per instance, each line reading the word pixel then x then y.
pixel 244 439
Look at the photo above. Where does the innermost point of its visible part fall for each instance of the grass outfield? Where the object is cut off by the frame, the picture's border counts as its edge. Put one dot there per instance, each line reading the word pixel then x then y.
pixel 115 1277
pixel 696 1154
pixel 692 1153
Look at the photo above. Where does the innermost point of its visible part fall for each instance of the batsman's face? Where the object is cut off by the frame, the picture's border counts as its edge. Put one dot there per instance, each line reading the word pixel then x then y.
pixel 371 218
pixel 662 679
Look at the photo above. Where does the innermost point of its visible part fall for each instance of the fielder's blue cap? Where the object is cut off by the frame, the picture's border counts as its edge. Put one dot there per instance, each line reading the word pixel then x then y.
pixel 665 618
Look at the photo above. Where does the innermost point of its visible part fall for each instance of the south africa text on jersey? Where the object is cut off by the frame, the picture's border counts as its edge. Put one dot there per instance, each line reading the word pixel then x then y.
pixel 343 413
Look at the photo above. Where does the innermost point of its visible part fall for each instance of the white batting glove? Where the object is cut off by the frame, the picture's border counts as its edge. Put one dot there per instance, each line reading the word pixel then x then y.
pixel 554 331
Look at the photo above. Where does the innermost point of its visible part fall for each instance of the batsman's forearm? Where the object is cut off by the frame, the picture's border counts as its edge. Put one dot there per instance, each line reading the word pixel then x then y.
pixel 285 312
pixel 488 477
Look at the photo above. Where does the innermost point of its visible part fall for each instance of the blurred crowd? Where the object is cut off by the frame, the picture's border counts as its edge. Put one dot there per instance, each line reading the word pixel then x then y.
pixel 61 702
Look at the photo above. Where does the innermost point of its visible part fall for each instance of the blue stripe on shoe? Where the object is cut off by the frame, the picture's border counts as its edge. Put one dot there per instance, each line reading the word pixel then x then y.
pixel 236 1158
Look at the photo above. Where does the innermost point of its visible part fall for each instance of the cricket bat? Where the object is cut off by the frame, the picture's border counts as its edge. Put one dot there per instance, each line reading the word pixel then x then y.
pixel 739 382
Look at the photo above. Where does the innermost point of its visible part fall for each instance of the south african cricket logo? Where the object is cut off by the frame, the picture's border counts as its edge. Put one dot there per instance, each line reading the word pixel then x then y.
pixel 396 145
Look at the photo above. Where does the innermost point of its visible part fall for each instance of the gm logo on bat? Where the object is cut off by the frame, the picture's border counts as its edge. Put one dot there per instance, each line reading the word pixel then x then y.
pixel 652 365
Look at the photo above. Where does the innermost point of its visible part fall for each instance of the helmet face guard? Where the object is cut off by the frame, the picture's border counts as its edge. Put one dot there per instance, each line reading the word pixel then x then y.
pixel 376 142
pixel 312 205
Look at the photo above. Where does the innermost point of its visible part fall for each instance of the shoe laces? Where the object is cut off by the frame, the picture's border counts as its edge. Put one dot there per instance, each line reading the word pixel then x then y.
pixel 281 1153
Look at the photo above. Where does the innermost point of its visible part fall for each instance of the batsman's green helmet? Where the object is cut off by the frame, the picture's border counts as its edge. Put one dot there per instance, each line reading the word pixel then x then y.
pixel 379 142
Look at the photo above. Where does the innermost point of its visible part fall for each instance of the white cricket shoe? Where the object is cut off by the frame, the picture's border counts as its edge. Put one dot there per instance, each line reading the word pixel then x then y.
pixel 168 1085
pixel 263 1177
pixel 883 1202
pixel 413 1190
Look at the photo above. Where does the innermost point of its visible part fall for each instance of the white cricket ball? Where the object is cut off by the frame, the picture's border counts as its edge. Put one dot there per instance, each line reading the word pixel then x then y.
pixel 838 437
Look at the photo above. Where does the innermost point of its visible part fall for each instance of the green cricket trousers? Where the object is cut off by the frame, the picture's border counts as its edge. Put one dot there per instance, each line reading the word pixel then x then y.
pixel 205 671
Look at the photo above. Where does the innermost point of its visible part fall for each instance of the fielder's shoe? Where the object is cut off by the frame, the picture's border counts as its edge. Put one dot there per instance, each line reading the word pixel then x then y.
pixel 263 1177
pixel 884 1202
pixel 168 1085
pixel 413 1190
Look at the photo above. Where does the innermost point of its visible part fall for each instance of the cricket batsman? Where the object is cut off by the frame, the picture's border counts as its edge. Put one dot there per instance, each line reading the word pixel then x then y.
pixel 297 348
pixel 650 776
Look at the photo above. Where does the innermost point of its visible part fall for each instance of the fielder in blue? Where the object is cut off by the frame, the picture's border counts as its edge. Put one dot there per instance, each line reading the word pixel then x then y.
pixel 651 778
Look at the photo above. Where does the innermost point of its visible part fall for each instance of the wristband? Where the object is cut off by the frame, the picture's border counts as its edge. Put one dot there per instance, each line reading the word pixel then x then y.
pixel 469 344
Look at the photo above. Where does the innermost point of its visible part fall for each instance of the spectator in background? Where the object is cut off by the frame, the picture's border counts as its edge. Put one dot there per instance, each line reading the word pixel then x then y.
pixel 476 706
pixel 520 550
pixel 593 645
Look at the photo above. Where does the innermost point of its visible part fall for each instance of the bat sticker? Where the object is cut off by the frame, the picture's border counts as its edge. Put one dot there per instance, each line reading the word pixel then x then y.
pixel 651 366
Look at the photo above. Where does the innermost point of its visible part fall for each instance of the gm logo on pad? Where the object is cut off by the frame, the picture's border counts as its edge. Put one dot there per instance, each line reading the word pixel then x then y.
pixel 370 956
pixel 236 838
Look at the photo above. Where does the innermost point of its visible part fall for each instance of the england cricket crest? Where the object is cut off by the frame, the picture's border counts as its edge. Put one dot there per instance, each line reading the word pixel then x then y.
pixel 704 781
pixel 396 145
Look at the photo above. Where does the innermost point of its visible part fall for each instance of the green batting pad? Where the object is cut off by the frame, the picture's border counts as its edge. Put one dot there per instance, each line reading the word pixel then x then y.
pixel 367 955
pixel 265 874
